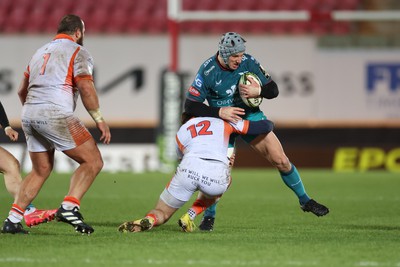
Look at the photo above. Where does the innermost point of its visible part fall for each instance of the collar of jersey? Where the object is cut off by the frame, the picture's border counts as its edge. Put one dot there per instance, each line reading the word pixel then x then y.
pixel 63 36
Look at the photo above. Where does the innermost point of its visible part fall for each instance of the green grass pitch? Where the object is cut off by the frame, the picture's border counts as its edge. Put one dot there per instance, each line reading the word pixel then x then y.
pixel 259 223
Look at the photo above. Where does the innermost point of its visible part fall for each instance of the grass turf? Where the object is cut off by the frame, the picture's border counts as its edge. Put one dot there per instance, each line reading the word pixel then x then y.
pixel 259 223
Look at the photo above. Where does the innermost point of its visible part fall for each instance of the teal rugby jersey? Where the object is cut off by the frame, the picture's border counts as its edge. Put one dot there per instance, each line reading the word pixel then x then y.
pixel 219 86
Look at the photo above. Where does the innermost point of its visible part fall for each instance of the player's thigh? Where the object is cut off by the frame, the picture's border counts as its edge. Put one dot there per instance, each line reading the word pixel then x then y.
pixel 42 162
pixel 7 161
pixel 215 178
pixel 184 183
pixel 168 203
pixel 269 147
pixel 87 152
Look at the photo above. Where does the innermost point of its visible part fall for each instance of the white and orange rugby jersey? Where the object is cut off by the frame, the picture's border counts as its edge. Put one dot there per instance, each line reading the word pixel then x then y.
pixel 206 137
pixel 54 70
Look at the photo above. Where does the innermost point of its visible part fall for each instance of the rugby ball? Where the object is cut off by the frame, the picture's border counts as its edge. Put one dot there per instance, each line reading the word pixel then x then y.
pixel 250 101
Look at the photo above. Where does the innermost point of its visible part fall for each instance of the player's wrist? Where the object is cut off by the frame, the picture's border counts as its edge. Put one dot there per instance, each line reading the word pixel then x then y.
pixel 7 128
pixel 96 115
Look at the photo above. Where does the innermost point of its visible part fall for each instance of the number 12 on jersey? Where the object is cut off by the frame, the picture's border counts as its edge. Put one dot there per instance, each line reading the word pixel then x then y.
pixel 200 128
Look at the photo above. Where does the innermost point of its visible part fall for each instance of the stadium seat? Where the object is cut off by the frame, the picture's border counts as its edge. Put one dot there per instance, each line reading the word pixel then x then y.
pixel 52 20
pixel 267 5
pixel 117 20
pixel 97 19
pixel 298 27
pixel 37 18
pixel 149 16
pixel 15 21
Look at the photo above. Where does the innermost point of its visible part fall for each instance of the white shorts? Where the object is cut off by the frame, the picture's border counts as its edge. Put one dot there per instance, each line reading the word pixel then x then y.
pixel 46 127
pixel 211 177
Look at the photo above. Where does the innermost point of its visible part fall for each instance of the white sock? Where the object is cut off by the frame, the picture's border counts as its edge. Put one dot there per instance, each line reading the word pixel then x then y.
pixel 68 205
pixel 14 217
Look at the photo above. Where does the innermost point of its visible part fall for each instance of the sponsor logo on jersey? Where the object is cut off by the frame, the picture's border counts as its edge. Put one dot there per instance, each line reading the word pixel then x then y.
pixel 224 103
pixel 193 91
pixel 208 71
pixel 218 82
pixel 198 81
pixel 207 62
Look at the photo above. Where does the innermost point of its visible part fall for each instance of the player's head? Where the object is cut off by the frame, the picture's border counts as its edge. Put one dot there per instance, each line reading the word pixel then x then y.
pixel 231 43
pixel 72 25
pixel 185 117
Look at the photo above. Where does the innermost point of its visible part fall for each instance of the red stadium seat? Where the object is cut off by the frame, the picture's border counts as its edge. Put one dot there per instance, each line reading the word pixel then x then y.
pixel 97 19
pixel 15 21
pixel 37 18
pixel 117 20
pixel 149 16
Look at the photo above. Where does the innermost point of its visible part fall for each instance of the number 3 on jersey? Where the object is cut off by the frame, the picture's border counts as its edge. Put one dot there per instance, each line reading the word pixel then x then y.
pixel 46 59
pixel 200 128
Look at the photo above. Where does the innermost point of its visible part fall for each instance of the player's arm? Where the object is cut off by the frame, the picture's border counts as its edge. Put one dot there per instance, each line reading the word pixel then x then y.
pixel 3 117
pixel 260 127
pixel 198 109
pixel 10 132
pixel 91 102
pixel 269 90
pixel 23 88
pixel 231 114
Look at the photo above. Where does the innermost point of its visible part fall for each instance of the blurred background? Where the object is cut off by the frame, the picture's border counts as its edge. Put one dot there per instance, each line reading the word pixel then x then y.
pixel 339 79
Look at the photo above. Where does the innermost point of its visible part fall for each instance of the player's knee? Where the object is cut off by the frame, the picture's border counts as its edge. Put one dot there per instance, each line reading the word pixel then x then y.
pixel 12 167
pixel 43 169
pixel 282 163
pixel 97 164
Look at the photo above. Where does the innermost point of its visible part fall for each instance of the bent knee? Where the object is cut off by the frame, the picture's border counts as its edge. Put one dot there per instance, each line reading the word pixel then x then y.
pixel 282 163
pixel 97 164
pixel 12 166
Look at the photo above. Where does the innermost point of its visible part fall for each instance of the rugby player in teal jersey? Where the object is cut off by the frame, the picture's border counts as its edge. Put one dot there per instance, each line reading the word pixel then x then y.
pixel 217 82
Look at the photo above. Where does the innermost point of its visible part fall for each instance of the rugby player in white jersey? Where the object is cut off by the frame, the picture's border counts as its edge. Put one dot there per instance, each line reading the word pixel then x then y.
pixel 57 74
pixel 202 146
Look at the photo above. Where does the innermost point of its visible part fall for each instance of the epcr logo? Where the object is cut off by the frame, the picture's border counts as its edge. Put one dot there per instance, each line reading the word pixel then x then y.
pixel 383 74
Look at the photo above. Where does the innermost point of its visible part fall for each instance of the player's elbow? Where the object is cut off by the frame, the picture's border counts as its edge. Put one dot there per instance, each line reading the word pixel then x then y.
pixel 270 90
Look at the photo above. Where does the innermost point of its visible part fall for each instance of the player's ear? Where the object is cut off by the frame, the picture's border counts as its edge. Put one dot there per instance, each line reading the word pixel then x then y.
pixel 78 33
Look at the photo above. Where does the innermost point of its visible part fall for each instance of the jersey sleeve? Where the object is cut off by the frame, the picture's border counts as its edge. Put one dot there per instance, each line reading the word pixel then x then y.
pixel 240 127
pixel 255 67
pixel 83 65
pixel 198 90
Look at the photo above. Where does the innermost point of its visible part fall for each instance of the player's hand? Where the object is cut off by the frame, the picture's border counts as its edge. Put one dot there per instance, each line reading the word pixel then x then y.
pixel 11 133
pixel 231 114
pixel 232 160
pixel 250 90
pixel 105 132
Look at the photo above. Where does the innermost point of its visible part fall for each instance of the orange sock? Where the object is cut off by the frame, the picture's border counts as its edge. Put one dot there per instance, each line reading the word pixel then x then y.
pixel 199 206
